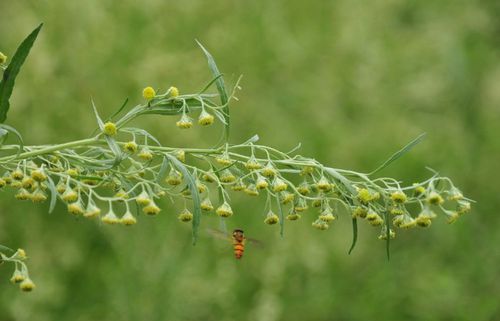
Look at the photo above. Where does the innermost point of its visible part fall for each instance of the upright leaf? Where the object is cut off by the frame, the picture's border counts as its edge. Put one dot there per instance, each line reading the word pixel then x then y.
pixel 10 74
pixel 354 234
pixel 221 88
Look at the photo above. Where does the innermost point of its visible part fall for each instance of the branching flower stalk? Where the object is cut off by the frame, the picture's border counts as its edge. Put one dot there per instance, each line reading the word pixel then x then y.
pixel 122 172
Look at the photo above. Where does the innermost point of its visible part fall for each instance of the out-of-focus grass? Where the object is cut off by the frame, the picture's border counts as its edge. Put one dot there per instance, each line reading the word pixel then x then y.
pixel 351 81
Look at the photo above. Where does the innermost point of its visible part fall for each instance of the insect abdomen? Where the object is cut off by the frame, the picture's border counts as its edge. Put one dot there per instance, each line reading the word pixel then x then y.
pixel 239 248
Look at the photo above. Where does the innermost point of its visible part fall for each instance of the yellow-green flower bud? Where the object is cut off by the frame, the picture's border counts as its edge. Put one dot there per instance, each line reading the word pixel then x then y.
pixel 463 207
pixel 151 209
pixel 73 172
pixel 110 218
pixel 227 177
pixel 174 177
pixel 75 208
pixel 293 216
pixel 23 195
pixel 2 183
pixel 404 221
pixel 374 219
pixel 38 196
pixel 180 154
pixel 435 199
pixel 261 182
pixel 317 202
pixel 279 185
pixel 17 277
pixel 130 147
pixel 185 122
pixel 38 175
pixel 238 186
pixel 286 197
pixel 109 129
pixel 396 211
pixel 92 211
pixel 148 93
pixel 143 198
pixel 271 218
pixel 145 154
pixel 359 211
pixel 3 58
pixel 323 184
pixel 17 174
pixel 452 216
pixel 128 219
pixel 306 170
pixel 122 194
pixel 185 216
pixel 27 285
pixel 423 221
pixel 418 190
pixel 300 205
pixel 320 225
pixel 327 215
pixel 252 164
pixel 205 118
pixel 398 197
pixel 28 183
pixel 174 92
pixel 209 177
pixel 303 188
pixel 455 194
pixel 269 170
pixel 224 159
pixel 251 190
pixel 224 210
pixel 364 196
pixel 206 205
pixel 383 234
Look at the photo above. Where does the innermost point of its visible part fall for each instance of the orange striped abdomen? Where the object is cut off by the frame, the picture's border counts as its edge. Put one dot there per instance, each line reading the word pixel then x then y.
pixel 239 248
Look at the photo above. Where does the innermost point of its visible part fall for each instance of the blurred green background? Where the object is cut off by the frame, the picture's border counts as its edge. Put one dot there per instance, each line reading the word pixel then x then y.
pixel 352 81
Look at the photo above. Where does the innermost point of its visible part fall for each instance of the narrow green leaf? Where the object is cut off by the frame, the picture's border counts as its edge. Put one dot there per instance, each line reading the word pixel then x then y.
pixel 194 194
pixel 221 88
pixel 111 142
pixel 399 153
pixel 210 83
pixel 120 109
pixel 354 234
pixel 281 216
pixel 4 249
pixel 18 135
pixel 163 170
pixel 10 74
pixel 3 135
pixel 53 194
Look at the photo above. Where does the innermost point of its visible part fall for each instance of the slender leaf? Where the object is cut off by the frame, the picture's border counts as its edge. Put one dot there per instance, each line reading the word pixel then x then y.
pixel 10 74
pixel 194 194
pixel 354 234
pixel 221 88
pixel 111 142
pixel 281 216
pixel 18 135
pixel 4 248
pixel 53 194
pixel 120 109
pixel 3 135
pixel 399 153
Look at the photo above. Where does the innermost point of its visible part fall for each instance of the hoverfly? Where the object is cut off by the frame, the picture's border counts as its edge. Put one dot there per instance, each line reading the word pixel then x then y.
pixel 237 238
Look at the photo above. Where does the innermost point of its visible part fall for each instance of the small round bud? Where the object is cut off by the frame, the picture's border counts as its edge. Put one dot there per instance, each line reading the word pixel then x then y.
pixel 109 129
pixel 73 172
pixel 452 217
pixel 185 216
pixel 76 208
pixel 128 219
pixel 17 174
pixel 455 194
pixel 145 154
pixel 398 197
pixel 269 170
pixel 38 175
pixel 2 183
pixel 423 221
pixel 23 195
pixel 303 188
pixel 373 218
pixel 279 185
pixel 317 202
pixel 224 210
pixel 227 177
pixel 174 92
pixel 17 277
pixel 359 211
pixel 383 234
pixel 286 197
pixel 185 122
pixel 122 194
pixel 323 184
pixel 151 209
pixel 69 195
pixel 180 154
pixel 202 188
pixel 27 285
pixel 306 170
pixel 293 216
pixel 206 205
pixel 396 211
pixel 148 93
pixel 143 198
pixel 300 205
pixel 271 218
pixel 435 199
pixel 209 177
pixel 463 207
pixel 252 164
pixel 251 190
pixel 92 211
pixel 224 159
pixel 238 186
pixel 261 182
pixel 28 183
pixel 174 177
pixel 38 196
pixel 205 118
pixel 110 218
pixel 418 190
pixel 364 196
pixel 130 147
pixel 320 225
pixel 21 254
pixel 3 58
pixel 327 215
